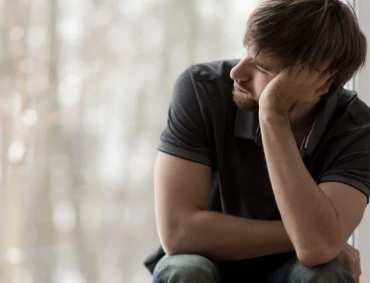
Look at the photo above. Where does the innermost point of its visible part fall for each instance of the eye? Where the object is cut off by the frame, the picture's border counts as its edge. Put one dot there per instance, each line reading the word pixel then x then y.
pixel 259 69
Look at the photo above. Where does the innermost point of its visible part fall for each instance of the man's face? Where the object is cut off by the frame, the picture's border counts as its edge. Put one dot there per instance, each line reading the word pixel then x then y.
pixel 251 75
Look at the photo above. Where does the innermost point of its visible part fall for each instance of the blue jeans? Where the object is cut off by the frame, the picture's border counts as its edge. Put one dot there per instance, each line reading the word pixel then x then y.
pixel 198 269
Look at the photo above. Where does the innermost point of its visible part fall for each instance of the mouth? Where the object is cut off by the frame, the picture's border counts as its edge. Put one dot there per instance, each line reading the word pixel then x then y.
pixel 240 89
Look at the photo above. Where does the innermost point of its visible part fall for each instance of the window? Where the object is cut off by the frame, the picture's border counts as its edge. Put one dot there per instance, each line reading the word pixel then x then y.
pixel 84 94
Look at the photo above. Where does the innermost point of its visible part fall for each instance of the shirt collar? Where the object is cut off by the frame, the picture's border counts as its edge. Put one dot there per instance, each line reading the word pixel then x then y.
pixel 321 123
pixel 246 124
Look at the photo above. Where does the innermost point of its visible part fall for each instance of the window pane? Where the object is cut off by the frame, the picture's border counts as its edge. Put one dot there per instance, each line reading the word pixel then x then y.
pixel 85 87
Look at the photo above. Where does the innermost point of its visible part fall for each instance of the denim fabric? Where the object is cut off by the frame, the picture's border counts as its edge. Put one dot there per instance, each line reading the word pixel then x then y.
pixel 185 269
pixel 198 269
pixel 294 272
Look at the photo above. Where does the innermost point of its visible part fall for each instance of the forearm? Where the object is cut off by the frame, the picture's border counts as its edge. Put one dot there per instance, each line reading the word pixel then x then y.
pixel 224 237
pixel 307 213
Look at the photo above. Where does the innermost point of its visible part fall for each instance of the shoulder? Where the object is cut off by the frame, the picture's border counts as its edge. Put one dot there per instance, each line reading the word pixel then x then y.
pixel 350 127
pixel 356 110
pixel 345 152
pixel 206 84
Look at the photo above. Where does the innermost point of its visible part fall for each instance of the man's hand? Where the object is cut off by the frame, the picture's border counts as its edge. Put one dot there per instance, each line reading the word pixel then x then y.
pixel 350 258
pixel 295 85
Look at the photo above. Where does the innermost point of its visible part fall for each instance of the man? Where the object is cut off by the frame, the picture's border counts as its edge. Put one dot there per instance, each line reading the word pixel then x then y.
pixel 263 177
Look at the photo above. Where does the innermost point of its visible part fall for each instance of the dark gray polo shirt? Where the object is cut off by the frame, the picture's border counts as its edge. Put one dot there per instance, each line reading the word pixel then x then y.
pixel 205 126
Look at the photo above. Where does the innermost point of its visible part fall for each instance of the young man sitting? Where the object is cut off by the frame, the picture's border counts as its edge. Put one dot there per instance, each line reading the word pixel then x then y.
pixel 263 177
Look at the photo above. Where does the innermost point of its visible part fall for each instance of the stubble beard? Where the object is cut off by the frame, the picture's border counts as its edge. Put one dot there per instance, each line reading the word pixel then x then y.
pixel 245 102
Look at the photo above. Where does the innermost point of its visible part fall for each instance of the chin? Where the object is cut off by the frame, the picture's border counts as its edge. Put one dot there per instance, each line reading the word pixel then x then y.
pixel 245 102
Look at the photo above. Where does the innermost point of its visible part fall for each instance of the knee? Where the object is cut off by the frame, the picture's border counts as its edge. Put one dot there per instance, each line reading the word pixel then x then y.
pixel 331 272
pixel 185 268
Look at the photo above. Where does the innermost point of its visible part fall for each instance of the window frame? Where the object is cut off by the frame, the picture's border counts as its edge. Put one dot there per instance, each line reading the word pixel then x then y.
pixel 361 84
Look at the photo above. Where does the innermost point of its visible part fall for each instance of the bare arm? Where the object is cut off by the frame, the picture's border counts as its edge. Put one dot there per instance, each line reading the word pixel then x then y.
pixel 319 218
pixel 185 226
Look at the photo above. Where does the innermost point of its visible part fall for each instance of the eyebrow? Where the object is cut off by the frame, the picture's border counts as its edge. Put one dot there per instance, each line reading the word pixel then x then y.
pixel 256 61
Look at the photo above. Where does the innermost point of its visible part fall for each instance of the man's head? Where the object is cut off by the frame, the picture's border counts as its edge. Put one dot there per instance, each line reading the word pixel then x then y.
pixel 282 33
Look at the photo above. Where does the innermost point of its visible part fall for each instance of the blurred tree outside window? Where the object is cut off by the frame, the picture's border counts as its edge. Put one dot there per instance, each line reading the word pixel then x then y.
pixel 85 88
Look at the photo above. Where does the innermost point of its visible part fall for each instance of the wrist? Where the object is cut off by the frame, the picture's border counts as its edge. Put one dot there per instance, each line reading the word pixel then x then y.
pixel 273 115
pixel 273 105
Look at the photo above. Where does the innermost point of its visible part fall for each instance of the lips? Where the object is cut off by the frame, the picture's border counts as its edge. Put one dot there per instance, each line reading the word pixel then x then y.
pixel 240 89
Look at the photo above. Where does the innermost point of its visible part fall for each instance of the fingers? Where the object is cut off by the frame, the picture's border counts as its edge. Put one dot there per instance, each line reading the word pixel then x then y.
pixel 324 66
pixel 353 269
pixel 316 76
pixel 293 71
pixel 356 265
pixel 359 263
pixel 326 76
pixel 350 258
pixel 320 73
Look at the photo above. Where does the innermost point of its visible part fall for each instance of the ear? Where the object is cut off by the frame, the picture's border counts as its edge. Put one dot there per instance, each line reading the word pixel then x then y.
pixel 324 88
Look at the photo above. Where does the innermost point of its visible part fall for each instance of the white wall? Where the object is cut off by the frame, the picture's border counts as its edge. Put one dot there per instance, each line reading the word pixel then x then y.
pixel 363 87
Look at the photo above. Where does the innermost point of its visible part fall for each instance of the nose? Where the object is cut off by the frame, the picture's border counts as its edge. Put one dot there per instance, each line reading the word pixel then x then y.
pixel 241 72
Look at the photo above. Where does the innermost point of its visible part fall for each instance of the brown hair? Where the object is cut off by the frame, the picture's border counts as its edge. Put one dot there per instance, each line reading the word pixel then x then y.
pixel 309 32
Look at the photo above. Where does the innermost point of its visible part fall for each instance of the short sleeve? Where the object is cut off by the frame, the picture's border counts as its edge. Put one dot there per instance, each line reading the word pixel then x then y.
pixel 352 165
pixel 185 135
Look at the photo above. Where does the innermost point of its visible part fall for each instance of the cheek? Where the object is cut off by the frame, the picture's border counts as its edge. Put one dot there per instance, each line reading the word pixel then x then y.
pixel 260 83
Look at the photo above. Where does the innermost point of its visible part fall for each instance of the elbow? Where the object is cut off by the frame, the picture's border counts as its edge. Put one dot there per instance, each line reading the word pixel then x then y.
pixel 172 240
pixel 178 234
pixel 318 250
pixel 317 256
pixel 171 245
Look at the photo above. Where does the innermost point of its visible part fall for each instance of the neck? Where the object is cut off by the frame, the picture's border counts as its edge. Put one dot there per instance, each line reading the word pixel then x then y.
pixel 301 119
